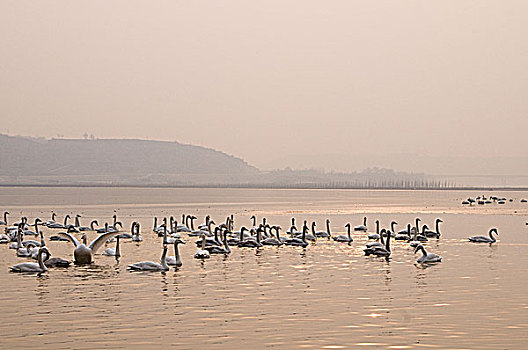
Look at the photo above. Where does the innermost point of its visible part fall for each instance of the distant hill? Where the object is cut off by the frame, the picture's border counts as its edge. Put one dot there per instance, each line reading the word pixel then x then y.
pixel 114 158
pixel 126 162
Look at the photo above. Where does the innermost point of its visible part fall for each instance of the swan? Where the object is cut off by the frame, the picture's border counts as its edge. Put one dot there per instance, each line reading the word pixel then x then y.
pixel 201 253
pixel 150 265
pixel 33 233
pixel 343 238
pixel 82 253
pixel 380 251
pixel 241 235
pixel 110 228
pixel 113 251
pixel 406 236
pixel 62 239
pixel 307 236
pixel 204 230
pixel 251 242
pixel 32 267
pixel 323 234
pixel 298 242
pixel 204 226
pixel 211 241
pixel 56 262
pixel 58 225
pixel 273 240
pixel 51 221
pixel 91 227
pixel 175 260
pixel 435 233
pixel 6 213
pixel 418 237
pixel 192 218
pixel 136 235
pixel 155 227
pixel 362 227
pixel 126 234
pixel 183 227
pixel 484 239
pixel 426 257
pixel 393 229
pixel 380 241
pixel 376 235
pixel 26 252
pixel 219 249
pixel 417 227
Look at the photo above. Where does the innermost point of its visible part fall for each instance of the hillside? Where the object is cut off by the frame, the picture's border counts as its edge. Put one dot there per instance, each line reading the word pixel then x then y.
pixel 105 159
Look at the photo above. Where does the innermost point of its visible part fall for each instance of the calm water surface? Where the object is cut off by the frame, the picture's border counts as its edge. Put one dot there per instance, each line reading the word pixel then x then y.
pixel 328 295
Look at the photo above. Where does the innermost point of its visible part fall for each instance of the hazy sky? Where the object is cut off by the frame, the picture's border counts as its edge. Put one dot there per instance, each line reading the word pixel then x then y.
pixel 263 79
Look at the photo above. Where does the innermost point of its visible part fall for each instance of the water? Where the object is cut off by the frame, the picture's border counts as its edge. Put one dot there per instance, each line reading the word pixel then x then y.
pixel 325 296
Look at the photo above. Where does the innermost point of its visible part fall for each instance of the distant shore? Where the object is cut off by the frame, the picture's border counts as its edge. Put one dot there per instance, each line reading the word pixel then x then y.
pixel 275 187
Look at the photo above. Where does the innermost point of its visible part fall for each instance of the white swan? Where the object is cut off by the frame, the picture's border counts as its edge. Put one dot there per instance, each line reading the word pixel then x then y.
pixel 136 235
pixel 273 240
pixel 32 267
pixel 214 249
pixel 202 253
pixel 484 239
pixel 82 253
pixel 113 251
pixel 5 218
pixel 298 242
pixel 426 257
pixel 344 238
pixel 380 250
pixel 436 233
pixel 175 260
pixel 363 227
pixel 150 265
pixel 58 225
pixel 89 228
pixel 324 234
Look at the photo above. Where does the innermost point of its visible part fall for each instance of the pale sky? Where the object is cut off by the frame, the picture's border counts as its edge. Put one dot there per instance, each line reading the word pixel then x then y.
pixel 265 79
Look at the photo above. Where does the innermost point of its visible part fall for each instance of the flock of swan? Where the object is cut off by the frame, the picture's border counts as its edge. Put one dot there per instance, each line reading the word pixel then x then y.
pixel 213 239
pixel 482 200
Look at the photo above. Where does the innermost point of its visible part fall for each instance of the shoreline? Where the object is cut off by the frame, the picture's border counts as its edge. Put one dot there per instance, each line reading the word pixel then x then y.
pixel 272 187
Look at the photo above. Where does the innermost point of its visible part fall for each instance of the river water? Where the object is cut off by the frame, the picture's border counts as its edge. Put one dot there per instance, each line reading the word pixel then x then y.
pixel 328 295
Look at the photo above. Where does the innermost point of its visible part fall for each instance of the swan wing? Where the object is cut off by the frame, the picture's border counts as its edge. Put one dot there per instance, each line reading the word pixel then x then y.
pixel 69 237
pixel 101 239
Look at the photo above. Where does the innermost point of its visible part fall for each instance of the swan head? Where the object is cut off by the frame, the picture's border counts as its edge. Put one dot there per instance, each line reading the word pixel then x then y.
pixel 178 241
pixel 439 220
pixel 494 230
pixel 394 223
pixel 118 223
pixel 347 225
pixel 418 247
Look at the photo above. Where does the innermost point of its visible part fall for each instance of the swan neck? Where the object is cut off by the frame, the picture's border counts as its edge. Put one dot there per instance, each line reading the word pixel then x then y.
pixel 163 256
pixel 117 252
pixel 40 261
pixel 177 254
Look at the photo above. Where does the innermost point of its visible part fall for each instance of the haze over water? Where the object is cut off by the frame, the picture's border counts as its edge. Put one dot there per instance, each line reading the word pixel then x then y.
pixel 328 295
